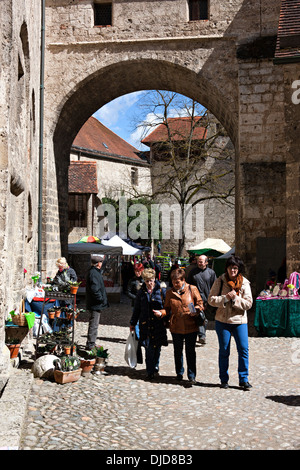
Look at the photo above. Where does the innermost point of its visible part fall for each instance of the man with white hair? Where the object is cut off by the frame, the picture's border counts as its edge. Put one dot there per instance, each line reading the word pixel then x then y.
pixel 203 278
pixel 96 298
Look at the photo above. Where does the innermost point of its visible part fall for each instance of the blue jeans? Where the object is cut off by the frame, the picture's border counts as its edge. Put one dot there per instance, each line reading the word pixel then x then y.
pixel 190 353
pixel 152 357
pixel 240 334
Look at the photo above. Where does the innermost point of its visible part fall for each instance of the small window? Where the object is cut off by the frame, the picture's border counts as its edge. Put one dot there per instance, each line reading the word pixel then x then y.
pixel 103 14
pixel 134 177
pixel 198 9
pixel 77 210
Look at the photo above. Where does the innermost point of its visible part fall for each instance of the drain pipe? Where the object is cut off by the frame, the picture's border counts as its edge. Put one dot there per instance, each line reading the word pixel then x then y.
pixel 41 145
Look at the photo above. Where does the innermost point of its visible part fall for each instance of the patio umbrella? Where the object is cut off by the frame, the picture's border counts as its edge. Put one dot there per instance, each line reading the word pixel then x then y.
pixel 89 239
pixel 210 247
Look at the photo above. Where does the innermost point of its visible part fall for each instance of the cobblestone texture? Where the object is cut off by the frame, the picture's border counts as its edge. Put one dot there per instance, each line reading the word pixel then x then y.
pixel 120 410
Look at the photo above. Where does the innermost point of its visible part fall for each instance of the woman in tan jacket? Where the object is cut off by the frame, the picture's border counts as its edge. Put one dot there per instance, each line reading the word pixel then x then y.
pixel 182 305
pixel 231 294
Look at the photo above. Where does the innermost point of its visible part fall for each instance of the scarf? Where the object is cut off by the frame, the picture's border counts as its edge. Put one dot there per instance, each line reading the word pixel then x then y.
pixel 236 284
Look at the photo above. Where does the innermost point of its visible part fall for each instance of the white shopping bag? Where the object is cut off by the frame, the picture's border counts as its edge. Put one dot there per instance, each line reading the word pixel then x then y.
pixel 130 350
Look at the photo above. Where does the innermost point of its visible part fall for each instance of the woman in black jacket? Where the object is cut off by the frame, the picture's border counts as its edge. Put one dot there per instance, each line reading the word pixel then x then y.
pixel 153 334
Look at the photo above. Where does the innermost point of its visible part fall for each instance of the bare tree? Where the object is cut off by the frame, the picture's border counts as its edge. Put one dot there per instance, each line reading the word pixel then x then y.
pixel 191 155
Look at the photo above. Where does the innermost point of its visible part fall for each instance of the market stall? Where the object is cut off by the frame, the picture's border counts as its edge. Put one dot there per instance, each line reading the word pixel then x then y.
pixel 80 259
pixel 277 310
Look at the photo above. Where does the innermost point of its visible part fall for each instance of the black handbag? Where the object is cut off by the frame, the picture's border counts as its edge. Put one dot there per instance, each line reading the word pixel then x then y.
pixel 201 319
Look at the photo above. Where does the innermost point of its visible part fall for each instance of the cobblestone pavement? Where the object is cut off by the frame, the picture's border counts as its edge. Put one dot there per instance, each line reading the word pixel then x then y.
pixel 120 410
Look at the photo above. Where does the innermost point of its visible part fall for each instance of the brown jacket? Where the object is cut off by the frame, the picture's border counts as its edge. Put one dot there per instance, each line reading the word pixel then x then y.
pixel 176 306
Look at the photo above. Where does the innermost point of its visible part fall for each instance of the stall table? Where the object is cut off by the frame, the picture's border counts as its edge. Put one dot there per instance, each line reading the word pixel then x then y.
pixel 278 316
pixel 57 296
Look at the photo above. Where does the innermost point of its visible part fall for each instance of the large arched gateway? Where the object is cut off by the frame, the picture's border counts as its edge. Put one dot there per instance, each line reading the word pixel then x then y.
pixel 226 64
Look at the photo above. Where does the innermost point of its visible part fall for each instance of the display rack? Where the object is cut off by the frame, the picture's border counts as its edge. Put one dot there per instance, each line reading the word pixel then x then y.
pixel 49 296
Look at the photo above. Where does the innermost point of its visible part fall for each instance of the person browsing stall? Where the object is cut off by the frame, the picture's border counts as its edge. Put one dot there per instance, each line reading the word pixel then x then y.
pixel 96 298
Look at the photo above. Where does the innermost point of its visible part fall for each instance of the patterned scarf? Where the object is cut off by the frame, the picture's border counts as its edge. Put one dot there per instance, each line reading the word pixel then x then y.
pixel 236 284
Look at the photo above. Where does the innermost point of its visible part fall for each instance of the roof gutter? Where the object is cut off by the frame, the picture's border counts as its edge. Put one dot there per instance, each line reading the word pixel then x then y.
pixel 41 144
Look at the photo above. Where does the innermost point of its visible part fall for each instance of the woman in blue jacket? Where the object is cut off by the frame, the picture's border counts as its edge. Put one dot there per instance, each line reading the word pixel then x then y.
pixel 153 334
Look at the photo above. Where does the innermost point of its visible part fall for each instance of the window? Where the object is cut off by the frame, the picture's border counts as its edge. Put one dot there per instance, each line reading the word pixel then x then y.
pixel 102 14
pixel 78 210
pixel 134 177
pixel 198 9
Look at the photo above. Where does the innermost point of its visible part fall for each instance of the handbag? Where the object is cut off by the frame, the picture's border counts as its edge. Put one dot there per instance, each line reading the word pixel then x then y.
pixel 199 319
pixel 130 354
pixel 210 311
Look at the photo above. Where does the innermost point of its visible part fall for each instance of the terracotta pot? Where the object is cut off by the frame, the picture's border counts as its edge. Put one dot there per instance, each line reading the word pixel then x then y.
pixel 51 315
pixel 14 350
pixel 61 377
pixel 57 313
pixel 87 365
pixel 73 289
pixel 67 349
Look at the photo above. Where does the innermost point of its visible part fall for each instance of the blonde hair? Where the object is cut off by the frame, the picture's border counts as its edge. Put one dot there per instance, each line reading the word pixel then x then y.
pixel 148 273
pixel 62 262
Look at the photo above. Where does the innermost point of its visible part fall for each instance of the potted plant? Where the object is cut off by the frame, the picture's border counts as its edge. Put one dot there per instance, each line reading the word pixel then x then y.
pixel 51 313
pixel 87 359
pixel 74 286
pixel 57 311
pixel 67 369
pixel 13 345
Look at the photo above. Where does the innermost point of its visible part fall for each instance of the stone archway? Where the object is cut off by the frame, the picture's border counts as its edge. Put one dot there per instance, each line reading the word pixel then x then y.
pixel 119 79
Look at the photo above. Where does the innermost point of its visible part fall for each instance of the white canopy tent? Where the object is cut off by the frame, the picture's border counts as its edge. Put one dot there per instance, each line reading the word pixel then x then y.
pixel 211 247
pixel 118 242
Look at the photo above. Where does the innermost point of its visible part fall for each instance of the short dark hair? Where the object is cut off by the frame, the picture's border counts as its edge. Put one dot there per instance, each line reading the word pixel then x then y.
pixel 178 274
pixel 235 261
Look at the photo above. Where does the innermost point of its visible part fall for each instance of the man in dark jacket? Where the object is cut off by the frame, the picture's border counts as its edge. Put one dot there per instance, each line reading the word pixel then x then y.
pixel 96 298
pixel 203 278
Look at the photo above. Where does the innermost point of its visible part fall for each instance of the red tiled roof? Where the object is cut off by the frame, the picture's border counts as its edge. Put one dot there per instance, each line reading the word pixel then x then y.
pixel 94 136
pixel 288 37
pixel 180 128
pixel 83 177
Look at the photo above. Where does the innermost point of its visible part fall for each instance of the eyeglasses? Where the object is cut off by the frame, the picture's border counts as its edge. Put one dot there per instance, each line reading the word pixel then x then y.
pixel 233 268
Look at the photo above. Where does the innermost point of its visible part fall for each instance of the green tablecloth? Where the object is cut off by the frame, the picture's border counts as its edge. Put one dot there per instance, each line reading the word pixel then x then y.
pixel 278 317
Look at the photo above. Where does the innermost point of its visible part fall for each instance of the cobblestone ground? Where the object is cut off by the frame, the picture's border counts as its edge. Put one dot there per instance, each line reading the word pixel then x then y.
pixel 120 410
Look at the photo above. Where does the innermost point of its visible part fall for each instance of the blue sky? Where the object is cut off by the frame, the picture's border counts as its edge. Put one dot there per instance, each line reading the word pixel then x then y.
pixel 122 115
pixel 118 116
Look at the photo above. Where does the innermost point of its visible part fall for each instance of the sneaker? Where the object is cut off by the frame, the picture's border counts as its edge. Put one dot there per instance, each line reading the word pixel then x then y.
pixel 202 340
pixel 179 377
pixel 192 381
pixel 245 385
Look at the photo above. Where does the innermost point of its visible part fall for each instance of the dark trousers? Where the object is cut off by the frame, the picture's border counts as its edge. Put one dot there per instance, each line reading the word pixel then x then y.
pixel 190 353
pixel 93 328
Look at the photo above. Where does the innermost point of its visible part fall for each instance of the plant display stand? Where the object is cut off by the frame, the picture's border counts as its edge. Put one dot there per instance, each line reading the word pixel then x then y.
pixel 71 299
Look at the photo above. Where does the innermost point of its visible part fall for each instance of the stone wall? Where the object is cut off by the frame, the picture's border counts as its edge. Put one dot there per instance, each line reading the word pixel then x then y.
pixel 19 151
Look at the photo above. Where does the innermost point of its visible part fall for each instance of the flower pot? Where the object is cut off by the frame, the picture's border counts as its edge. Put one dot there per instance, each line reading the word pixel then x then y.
pixel 73 289
pixel 87 365
pixel 57 313
pixel 51 315
pixel 62 377
pixel 14 350
pixel 67 350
